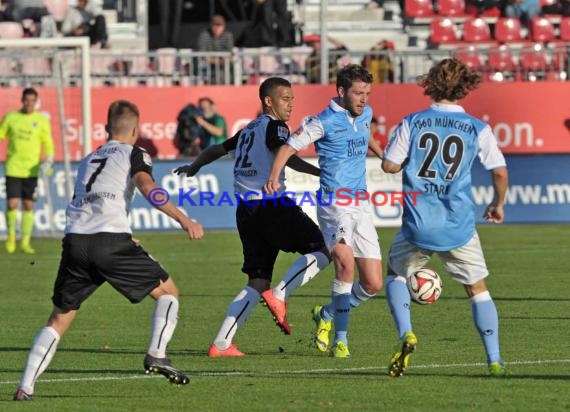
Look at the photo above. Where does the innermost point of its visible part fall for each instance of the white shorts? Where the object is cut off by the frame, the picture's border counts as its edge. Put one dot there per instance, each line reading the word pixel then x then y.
pixel 465 264
pixel 354 225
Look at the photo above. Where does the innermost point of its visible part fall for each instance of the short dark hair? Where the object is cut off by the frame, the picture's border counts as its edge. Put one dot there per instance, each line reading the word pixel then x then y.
pixel 269 86
pixel 350 74
pixel 122 116
pixel 29 90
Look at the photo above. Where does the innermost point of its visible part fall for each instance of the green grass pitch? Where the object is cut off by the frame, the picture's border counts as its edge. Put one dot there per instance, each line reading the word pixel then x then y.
pixel 98 366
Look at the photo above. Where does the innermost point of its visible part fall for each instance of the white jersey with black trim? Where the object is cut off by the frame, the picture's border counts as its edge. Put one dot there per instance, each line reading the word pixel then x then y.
pixel 254 153
pixel 104 189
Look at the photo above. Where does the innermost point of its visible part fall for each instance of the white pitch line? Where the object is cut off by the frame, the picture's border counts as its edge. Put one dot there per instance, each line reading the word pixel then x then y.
pixel 286 372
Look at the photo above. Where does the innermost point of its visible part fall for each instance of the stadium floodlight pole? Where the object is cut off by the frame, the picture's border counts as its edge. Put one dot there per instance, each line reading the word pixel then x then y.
pixel 324 43
pixel 80 42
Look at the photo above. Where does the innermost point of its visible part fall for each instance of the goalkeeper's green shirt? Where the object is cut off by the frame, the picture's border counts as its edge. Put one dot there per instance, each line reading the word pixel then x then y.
pixel 26 134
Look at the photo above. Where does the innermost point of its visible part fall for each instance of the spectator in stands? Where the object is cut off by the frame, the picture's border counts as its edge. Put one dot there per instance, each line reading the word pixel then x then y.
pixel 560 7
pixel 81 21
pixel 18 10
pixel 525 10
pixel 170 18
pixel 337 59
pixel 378 64
pixel 270 25
pixel 483 5
pixel 216 39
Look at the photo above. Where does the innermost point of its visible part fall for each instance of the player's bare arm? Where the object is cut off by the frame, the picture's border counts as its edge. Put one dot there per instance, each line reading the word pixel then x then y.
pixel 375 147
pixel 302 166
pixel 143 181
pixel 283 155
pixel 390 167
pixel 210 154
pixel 495 212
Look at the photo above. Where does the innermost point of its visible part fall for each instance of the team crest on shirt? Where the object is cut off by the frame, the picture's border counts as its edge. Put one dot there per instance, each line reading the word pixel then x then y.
pixel 147 159
pixel 298 132
pixel 367 125
pixel 282 132
pixel 35 124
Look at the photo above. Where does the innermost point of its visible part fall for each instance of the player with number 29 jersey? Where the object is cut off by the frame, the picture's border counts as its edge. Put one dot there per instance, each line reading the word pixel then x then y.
pixel 424 140
pixel 104 189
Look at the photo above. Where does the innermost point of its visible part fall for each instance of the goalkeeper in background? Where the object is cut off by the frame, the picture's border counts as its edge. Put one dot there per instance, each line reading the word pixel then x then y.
pixel 27 132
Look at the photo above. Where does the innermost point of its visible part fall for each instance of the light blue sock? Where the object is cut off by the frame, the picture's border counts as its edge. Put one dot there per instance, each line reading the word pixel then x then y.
pixel 399 302
pixel 341 302
pixel 487 323
pixel 358 295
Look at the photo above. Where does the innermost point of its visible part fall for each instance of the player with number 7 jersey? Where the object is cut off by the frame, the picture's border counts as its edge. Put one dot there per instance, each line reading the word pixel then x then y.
pixel 98 247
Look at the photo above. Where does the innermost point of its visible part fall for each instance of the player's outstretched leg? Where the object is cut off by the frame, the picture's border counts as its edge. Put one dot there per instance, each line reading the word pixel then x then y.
pixel 162 366
pixel 401 358
pixel 304 269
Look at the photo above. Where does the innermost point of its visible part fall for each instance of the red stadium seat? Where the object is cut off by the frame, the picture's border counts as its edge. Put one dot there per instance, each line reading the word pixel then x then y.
pixel 451 8
pixel 508 30
pixel 471 58
pixel 501 59
pixel 534 59
pixel 541 30
pixel 418 8
pixel 476 31
pixel 443 31
pixel 565 29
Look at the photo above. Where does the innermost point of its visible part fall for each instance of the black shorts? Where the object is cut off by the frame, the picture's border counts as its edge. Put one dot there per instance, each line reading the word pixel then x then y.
pixel 264 230
pixel 89 260
pixel 21 187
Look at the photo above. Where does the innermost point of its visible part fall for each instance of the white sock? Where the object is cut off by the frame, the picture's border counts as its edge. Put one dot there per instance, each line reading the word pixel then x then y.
pixel 300 273
pixel 41 354
pixel 237 314
pixel 164 321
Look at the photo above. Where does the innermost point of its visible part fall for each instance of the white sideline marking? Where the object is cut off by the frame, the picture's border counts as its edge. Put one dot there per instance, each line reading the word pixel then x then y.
pixel 285 372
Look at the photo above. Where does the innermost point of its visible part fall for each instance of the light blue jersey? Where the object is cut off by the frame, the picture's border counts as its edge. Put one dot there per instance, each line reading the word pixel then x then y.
pixel 341 142
pixel 438 146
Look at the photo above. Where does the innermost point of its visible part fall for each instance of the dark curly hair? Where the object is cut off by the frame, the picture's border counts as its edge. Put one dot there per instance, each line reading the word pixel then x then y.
pixel 450 79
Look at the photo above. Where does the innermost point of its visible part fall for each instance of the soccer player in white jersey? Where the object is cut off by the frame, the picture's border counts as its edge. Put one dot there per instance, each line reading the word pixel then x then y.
pixel 435 149
pixel 341 134
pixel 98 247
pixel 267 223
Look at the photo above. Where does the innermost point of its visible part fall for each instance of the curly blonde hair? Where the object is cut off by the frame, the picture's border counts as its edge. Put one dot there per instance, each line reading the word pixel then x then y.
pixel 450 79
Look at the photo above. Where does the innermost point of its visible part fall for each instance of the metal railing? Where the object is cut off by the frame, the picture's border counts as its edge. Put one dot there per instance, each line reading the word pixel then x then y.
pixel 172 67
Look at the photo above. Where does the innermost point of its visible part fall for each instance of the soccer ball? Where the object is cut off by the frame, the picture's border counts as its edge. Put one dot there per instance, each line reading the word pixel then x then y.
pixel 424 286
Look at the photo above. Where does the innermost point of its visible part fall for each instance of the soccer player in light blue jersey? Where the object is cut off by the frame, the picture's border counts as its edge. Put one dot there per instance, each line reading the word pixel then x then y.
pixel 435 149
pixel 341 133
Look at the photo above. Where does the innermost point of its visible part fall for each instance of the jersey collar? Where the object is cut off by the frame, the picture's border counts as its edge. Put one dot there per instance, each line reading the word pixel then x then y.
pixel 446 107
